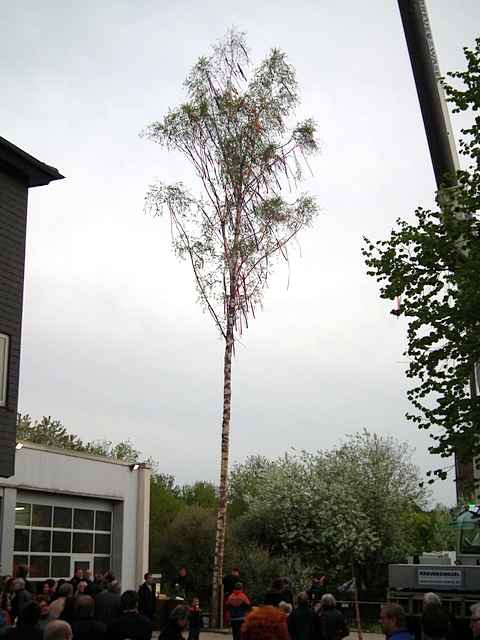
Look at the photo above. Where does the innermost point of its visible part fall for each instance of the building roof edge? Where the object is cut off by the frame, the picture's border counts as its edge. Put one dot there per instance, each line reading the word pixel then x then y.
pixel 74 454
pixel 37 173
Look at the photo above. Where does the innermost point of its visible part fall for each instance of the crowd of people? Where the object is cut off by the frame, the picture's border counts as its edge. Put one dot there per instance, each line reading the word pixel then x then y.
pixel 310 619
pixel 79 609
pixel 95 609
pixel 315 616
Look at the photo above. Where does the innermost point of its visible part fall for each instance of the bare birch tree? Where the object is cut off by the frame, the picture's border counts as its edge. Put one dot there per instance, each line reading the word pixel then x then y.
pixel 235 131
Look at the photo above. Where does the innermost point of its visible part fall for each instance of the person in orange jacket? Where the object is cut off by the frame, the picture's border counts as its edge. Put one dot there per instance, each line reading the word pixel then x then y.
pixel 238 605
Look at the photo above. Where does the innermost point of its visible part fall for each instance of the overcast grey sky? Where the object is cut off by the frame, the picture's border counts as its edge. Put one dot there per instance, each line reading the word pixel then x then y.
pixel 114 344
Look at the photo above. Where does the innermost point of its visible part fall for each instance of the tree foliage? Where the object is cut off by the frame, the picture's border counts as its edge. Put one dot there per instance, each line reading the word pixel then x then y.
pixel 187 540
pixel 429 531
pixel 244 483
pixel 433 266
pixel 332 508
pixel 50 432
pixel 235 131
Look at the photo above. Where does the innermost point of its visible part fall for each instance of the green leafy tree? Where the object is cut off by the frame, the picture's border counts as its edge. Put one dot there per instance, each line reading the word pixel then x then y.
pixel 201 494
pixel 244 483
pixel 165 503
pixel 47 432
pixel 188 540
pixel 121 451
pixel 378 473
pixel 258 567
pixel 433 266
pixel 297 511
pixel 336 508
pixel 234 130
pixel 50 432
pixel 431 530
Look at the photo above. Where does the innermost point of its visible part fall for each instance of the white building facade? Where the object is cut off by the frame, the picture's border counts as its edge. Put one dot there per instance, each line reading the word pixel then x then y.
pixel 64 510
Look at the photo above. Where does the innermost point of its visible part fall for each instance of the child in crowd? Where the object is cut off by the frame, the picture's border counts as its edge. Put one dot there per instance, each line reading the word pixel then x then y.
pixel 286 607
pixel 195 622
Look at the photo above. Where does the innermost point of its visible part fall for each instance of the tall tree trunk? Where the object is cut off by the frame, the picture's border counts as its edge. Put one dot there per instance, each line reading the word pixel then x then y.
pixel 222 507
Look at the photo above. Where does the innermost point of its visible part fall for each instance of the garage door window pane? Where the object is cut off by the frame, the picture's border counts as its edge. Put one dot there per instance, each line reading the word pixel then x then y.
pixel 62 518
pixel 41 515
pixel 22 514
pixel 60 566
pixel 19 561
pixel 101 565
pixel 83 519
pixel 62 542
pixel 39 566
pixel 103 521
pixel 40 541
pixel 102 543
pixel 22 539
pixel 83 543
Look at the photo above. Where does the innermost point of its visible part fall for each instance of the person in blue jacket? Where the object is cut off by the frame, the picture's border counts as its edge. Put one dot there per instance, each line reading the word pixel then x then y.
pixel 394 622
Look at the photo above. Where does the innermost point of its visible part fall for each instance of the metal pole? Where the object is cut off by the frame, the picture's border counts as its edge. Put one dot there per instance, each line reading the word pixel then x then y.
pixel 356 604
pixel 426 72
pixel 441 142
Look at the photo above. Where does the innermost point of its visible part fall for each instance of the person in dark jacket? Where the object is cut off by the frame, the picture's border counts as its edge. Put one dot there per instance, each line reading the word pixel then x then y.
pixel 287 590
pixel 26 628
pixel 238 606
pixel 96 586
pixel 475 620
pixel 68 613
pixel 230 581
pixel 435 621
pixel 301 622
pixel 84 626
pixel 183 583
pixel 108 604
pixel 277 593
pixel 44 619
pixel 130 624
pixel 177 622
pixel 21 597
pixel 273 597
pixel 317 588
pixel 147 601
pixel 195 621
pixel 76 579
pixel 22 572
pixel 394 622
pixel 330 622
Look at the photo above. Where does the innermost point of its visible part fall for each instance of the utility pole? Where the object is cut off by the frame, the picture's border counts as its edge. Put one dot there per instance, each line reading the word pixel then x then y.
pixel 441 143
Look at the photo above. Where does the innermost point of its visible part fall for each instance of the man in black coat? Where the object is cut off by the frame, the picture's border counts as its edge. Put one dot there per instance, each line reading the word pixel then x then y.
pixel 147 601
pixel 183 583
pixel 177 622
pixel 317 588
pixel 26 628
pixel 302 621
pixel 77 577
pixel 108 604
pixel 21 597
pixel 230 581
pixel 130 625
pixel 84 627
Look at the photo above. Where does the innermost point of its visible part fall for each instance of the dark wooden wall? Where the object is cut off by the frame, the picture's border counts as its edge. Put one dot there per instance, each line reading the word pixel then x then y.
pixel 13 219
